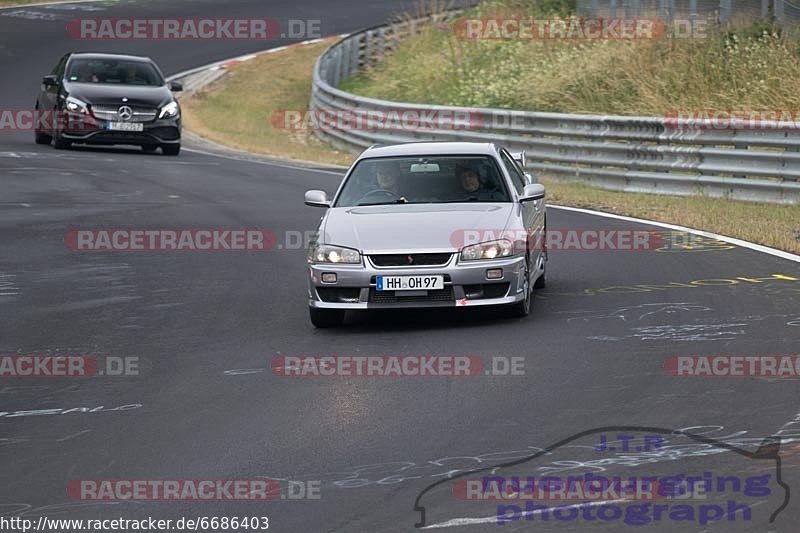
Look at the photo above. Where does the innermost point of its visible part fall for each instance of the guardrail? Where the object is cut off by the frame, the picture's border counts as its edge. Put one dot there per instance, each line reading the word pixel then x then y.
pixel 634 154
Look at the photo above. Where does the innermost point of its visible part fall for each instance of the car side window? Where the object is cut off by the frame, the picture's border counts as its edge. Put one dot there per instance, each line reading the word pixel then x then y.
pixel 517 177
pixel 58 70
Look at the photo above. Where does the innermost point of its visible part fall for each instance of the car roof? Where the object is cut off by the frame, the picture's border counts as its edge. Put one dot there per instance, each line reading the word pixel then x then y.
pixel 96 55
pixel 430 148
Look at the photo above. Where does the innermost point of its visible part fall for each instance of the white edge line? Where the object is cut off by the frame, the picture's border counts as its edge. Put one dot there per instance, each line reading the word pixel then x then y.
pixel 217 64
pixel 491 519
pixel 730 240
pixel 269 163
pixel 40 4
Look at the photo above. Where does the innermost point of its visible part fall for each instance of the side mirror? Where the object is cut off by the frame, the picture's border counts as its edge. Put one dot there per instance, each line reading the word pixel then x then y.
pixel 532 191
pixel 51 80
pixel 316 198
pixel 175 86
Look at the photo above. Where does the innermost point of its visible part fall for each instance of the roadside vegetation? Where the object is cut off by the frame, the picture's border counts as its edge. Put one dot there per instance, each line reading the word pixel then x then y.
pixel 240 109
pixel 744 66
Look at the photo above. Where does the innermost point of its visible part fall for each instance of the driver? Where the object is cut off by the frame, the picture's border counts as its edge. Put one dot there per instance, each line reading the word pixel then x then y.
pixel 387 181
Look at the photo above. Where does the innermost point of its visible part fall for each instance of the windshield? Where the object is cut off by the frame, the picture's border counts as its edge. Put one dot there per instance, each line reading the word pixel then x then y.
pixel 114 72
pixel 430 180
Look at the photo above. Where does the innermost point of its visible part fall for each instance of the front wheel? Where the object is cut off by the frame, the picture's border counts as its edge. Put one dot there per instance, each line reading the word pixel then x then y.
pixel 523 308
pixel 42 138
pixel 59 143
pixel 171 149
pixel 326 318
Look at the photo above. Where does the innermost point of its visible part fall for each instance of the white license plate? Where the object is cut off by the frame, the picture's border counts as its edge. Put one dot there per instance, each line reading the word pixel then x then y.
pixel 409 283
pixel 125 126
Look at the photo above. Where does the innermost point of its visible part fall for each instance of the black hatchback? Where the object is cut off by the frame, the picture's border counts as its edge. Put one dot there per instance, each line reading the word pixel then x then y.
pixel 107 99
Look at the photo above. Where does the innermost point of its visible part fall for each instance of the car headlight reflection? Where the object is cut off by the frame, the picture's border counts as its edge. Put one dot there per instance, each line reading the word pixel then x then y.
pixel 170 110
pixel 488 250
pixel 324 253
pixel 76 106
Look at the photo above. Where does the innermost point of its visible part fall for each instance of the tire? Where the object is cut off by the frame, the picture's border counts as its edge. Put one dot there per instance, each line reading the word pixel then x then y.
pixel 60 144
pixel 326 318
pixel 541 282
pixel 42 138
pixel 171 149
pixel 149 148
pixel 523 308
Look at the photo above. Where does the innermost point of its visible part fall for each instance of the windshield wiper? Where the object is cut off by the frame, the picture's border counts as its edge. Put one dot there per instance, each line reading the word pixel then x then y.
pixel 401 200
pixel 463 200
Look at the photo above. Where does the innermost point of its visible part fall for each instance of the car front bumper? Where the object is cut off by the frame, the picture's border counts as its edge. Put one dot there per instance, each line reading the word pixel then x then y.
pixel 95 131
pixel 466 285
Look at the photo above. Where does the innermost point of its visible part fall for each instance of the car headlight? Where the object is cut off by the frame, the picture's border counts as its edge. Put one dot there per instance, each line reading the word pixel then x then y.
pixel 488 250
pixel 76 106
pixel 170 110
pixel 323 253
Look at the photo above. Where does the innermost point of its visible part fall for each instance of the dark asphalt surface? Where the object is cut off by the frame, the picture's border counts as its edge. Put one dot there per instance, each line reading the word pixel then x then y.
pixel 594 347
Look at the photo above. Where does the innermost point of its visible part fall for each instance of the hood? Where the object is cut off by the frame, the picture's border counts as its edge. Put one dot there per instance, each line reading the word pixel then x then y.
pixel 411 227
pixel 107 94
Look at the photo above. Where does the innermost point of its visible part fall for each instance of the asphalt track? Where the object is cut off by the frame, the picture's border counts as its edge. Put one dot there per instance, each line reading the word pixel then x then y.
pixel 205 327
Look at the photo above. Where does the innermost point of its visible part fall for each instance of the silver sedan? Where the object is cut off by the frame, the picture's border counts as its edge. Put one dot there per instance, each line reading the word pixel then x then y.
pixel 445 224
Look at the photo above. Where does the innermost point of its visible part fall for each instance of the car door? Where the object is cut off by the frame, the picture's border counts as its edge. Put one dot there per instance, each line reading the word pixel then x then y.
pixel 531 212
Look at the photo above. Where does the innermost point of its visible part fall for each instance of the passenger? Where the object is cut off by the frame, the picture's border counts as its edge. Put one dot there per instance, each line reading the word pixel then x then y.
pixel 471 184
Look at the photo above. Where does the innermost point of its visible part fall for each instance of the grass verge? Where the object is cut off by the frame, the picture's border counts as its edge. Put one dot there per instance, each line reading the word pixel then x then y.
pixel 747 66
pixel 236 111
pixel 777 226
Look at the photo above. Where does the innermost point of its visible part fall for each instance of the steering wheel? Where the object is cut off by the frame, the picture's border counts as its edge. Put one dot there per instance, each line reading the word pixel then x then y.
pixel 377 193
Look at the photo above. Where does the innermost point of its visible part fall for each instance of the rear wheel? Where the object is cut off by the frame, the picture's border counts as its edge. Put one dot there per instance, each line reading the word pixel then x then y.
pixel 171 149
pixel 326 318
